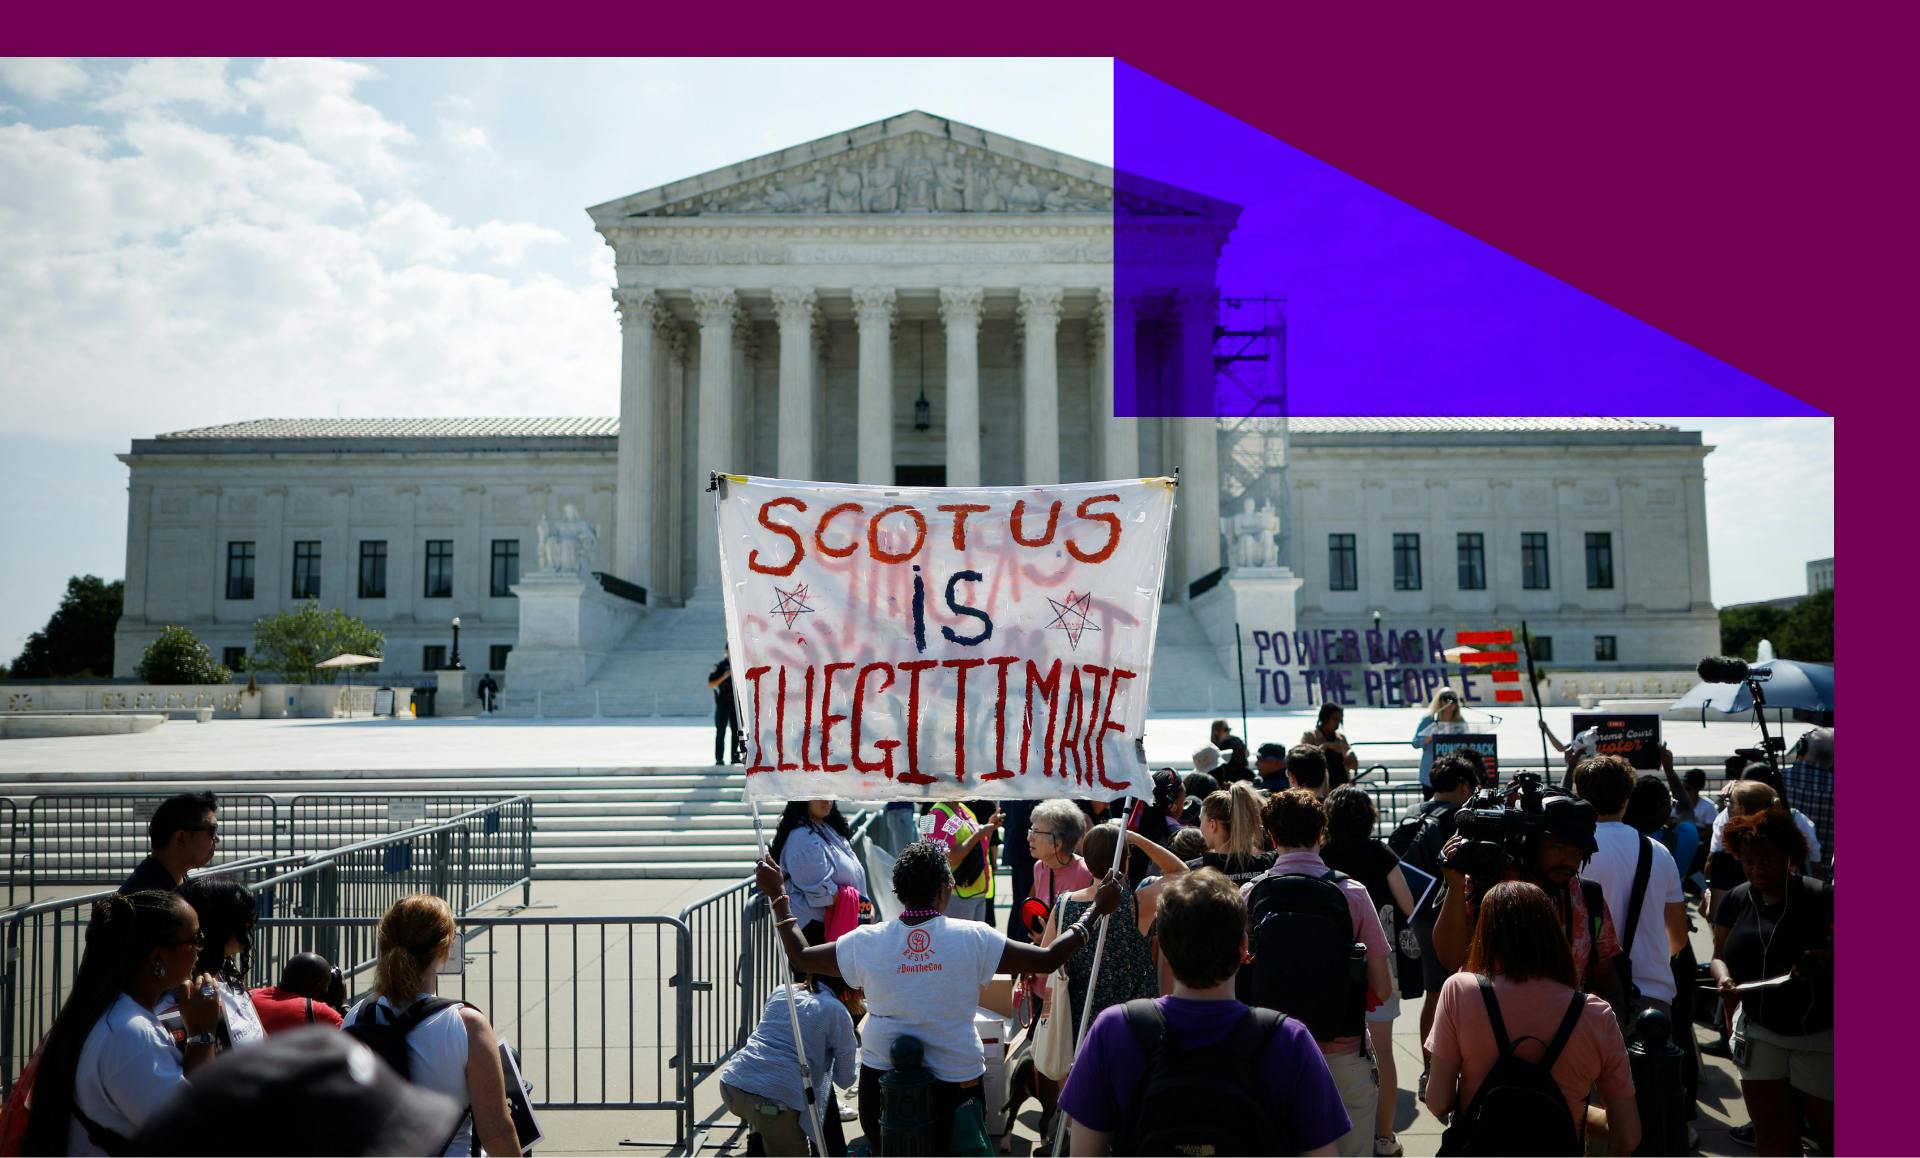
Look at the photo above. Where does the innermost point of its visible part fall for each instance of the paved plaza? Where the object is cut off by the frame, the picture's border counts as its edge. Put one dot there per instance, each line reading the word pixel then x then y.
pixel 345 747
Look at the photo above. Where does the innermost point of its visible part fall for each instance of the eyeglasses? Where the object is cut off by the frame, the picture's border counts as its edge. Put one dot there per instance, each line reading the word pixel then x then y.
pixel 212 830
pixel 1045 833
pixel 198 940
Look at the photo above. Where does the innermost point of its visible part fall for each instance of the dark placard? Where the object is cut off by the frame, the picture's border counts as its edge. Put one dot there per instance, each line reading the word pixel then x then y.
pixel 1485 743
pixel 1637 737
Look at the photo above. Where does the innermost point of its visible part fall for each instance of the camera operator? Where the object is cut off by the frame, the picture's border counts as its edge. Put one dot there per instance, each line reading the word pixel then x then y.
pixel 1543 837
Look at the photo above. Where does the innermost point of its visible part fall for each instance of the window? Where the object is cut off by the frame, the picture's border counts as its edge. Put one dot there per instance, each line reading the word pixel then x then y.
pixel 1599 559
pixel 1533 561
pixel 506 566
pixel 1605 649
pixel 1472 549
pixel 373 569
pixel 239 570
pixel 1406 562
pixel 1343 567
pixel 233 658
pixel 1543 647
pixel 497 656
pixel 306 569
pixel 439 584
pixel 433 657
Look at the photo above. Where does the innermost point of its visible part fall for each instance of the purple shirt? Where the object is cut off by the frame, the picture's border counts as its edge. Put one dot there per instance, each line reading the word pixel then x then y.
pixel 1106 1076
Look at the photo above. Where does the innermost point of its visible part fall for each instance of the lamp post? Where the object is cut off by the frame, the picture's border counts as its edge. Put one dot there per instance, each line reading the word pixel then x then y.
pixel 456 665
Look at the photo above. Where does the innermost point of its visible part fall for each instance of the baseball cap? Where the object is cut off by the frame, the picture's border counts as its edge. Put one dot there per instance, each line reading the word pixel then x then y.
pixel 1572 820
pixel 312 1091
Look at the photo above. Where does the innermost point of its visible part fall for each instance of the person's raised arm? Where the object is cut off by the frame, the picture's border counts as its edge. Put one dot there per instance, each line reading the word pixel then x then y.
pixel 487 1087
pixel 1547 731
pixel 959 852
pixel 1020 957
pixel 803 957
pixel 1163 859
pixel 1674 788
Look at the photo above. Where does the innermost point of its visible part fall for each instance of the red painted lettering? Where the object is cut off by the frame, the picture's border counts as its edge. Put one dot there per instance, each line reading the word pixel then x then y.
pixel 820 533
pixel 759 758
pixel 1053 521
pixel 1049 690
pixel 1000 769
pixel 785 532
pixel 919 535
pixel 1113 529
pixel 960 512
pixel 913 775
pixel 885 763
pixel 960 668
pixel 827 718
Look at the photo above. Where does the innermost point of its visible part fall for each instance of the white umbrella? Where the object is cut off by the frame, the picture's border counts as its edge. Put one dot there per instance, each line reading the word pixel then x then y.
pixel 349 661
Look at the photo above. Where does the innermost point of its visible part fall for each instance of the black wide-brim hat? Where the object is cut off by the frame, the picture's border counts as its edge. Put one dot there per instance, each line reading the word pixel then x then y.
pixel 311 1091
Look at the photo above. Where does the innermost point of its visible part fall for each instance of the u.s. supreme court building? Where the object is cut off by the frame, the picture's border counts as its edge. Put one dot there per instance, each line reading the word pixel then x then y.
pixel 913 302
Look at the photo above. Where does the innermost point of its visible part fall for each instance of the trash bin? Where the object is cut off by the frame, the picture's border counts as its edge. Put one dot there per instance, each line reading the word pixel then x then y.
pixel 383 702
pixel 423 700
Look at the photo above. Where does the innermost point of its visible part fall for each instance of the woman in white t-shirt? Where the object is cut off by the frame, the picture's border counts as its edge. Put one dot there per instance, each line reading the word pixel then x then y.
pixel 108 1064
pixel 922 975
pixel 227 911
pixel 453 1051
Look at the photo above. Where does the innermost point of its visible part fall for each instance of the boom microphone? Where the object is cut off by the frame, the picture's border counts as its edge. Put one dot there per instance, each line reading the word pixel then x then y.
pixel 1723 669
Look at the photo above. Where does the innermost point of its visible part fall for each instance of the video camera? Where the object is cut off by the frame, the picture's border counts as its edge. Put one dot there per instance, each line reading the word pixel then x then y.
pixel 1499 826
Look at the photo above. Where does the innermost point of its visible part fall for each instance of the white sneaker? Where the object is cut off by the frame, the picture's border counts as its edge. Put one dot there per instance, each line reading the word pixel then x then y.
pixel 1387 1146
pixel 849 1109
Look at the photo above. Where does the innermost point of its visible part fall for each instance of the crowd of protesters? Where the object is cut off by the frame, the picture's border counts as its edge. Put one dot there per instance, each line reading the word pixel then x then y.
pixel 1268 917
pixel 1255 933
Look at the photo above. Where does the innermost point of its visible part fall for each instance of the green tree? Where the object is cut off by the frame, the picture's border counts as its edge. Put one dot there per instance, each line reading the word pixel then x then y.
pixel 1742 628
pixel 1806 632
pixel 78 640
pixel 177 657
pixel 291 642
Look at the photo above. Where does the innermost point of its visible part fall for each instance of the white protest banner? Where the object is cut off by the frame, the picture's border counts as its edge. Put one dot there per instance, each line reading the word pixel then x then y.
pixel 924 643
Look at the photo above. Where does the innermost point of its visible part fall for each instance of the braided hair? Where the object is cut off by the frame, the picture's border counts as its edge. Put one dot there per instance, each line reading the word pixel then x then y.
pixel 122 934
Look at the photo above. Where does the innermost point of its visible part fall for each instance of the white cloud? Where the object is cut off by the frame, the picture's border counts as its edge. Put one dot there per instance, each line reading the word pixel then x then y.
pixel 154 84
pixel 43 78
pixel 164 274
pixel 458 130
pixel 313 99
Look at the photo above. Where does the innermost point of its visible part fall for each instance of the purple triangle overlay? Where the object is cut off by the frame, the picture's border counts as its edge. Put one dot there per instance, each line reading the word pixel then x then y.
pixel 1387 311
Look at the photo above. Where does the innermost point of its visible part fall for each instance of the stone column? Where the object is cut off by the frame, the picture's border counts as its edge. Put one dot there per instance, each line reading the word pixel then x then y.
pixel 715 309
pixel 671 478
pixel 873 309
pixel 794 309
pixel 745 351
pixel 1199 438
pixel 960 311
pixel 1119 437
pixel 1040 318
pixel 634 489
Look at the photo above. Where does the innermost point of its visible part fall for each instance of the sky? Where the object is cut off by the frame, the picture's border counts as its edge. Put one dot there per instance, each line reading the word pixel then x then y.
pixel 185 243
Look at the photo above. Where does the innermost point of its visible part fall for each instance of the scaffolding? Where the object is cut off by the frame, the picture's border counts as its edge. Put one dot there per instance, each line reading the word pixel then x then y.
pixel 1250 375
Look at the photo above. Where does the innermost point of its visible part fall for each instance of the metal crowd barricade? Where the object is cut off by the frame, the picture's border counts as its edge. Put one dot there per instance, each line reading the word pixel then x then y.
pixel 495 850
pixel 40 948
pixel 10 816
pixel 95 838
pixel 470 859
pixel 570 993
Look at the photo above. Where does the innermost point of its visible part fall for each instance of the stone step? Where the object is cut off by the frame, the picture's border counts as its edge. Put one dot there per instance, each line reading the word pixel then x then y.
pixel 622 871
pixel 741 853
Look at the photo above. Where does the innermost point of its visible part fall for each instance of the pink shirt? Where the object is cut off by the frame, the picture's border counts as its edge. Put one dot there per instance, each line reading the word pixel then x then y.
pixel 1050 884
pixel 1366 919
pixel 1595 1055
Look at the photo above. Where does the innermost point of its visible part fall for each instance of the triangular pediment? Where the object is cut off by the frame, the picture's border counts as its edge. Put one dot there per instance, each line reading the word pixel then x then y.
pixel 910 164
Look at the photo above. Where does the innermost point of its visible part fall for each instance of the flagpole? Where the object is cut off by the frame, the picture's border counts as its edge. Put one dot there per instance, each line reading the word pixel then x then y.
pixel 1093 976
pixel 1540 712
pixel 814 1134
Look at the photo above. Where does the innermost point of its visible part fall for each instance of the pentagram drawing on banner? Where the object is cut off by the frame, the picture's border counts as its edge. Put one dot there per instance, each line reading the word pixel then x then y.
pixel 791 605
pixel 1071 617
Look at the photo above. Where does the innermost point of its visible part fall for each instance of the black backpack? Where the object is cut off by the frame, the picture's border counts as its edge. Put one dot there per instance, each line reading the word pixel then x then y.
pixel 1519 1108
pixel 1200 1101
pixel 1306 962
pixel 387 1037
